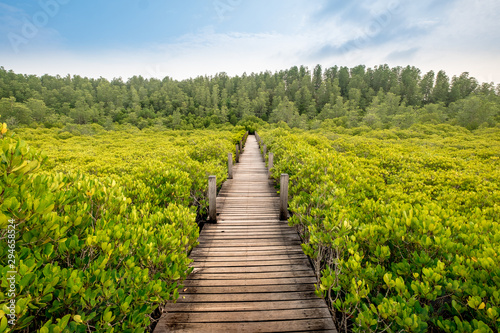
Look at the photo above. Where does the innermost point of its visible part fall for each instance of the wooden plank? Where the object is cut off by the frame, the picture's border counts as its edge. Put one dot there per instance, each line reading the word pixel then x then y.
pixel 250 289
pixel 248 297
pixel 229 237
pixel 248 282
pixel 246 248
pixel 254 226
pixel 251 243
pixel 200 275
pixel 249 224
pixel 266 326
pixel 252 260
pixel 246 316
pixel 249 264
pixel 253 269
pixel 248 233
pixel 247 306
pixel 199 252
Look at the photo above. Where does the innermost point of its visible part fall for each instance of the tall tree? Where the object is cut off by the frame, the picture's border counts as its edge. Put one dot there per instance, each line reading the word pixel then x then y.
pixel 426 85
pixel 344 80
pixel 441 90
pixel 317 78
pixel 462 86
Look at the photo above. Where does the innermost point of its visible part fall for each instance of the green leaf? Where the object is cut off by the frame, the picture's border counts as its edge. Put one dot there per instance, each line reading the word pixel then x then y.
pixel 64 321
pixel 49 248
pixel 107 316
pixel 3 324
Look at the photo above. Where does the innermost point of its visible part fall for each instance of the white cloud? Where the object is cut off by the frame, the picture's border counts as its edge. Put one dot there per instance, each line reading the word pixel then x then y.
pixel 21 32
pixel 460 37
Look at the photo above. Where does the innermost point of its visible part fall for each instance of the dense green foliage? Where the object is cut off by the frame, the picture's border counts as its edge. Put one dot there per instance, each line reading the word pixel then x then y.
pixel 103 225
pixel 402 225
pixel 395 198
pixel 381 97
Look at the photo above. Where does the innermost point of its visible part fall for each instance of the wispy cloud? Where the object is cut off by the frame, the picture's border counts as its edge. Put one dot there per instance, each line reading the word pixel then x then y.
pixel 21 31
pixel 405 55
pixel 261 35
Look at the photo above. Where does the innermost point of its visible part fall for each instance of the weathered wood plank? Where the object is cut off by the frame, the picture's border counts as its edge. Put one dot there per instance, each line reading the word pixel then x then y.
pixel 249 258
pixel 200 275
pixel 306 325
pixel 263 243
pixel 203 253
pixel 248 233
pixel 227 264
pixel 254 269
pixel 246 316
pixel 248 306
pixel 248 297
pixel 249 289
pixel 246 246
pixel 248 282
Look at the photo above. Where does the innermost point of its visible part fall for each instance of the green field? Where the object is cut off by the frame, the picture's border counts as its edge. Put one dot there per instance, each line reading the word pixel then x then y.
pixel 104 223
pixel 394 189
pixel 402 225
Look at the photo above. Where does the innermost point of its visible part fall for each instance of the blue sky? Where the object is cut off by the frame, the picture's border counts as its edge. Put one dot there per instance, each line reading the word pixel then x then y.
pixel 181 39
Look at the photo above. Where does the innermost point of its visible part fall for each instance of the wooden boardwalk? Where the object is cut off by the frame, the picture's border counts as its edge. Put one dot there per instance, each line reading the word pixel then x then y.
pixel 250 272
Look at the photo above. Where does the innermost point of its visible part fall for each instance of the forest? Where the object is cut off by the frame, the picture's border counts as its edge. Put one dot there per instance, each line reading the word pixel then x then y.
pixel 381 97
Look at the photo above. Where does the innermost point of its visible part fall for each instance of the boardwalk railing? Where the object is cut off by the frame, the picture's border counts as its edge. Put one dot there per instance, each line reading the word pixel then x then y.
pixel 283 181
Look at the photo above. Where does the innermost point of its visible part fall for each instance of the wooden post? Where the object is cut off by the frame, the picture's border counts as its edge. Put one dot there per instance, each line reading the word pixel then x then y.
pixel 270 164
pixel 212 198
pixel 229 166
pixel 241 145
pixel 237 153
pixel 284 196
pixel 264 152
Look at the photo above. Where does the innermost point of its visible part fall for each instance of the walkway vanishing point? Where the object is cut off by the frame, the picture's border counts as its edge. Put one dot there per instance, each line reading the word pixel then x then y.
pixel 250 274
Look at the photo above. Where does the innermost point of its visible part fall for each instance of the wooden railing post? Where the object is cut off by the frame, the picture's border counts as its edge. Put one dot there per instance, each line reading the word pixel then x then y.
pixel 264 152
pixel 237 153
pixel 229 166
pixel 284 196
pixel 241 145
pixel 212 198
pixel 270 164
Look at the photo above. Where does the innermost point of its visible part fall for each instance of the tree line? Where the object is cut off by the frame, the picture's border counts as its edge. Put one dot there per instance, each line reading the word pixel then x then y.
pixel 379 97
